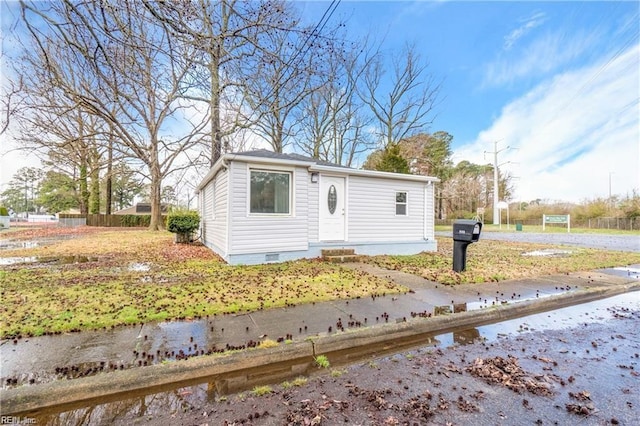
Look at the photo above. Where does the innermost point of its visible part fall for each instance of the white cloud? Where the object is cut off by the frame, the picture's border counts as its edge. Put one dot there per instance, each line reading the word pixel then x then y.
pixel 530 23
pixel 571 131
pixel 541 56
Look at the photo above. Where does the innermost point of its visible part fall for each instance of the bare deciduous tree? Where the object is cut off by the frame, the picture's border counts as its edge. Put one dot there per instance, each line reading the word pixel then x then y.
pixel 10 88
pixel 401 108
pixel 138 76
pixel 333 121
pixel 54 127
pixel 8 106
pixel 282 79
pixel 231 37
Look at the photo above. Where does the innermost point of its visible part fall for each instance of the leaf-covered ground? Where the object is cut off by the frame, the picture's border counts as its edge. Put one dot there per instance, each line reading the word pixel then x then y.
pixel 489 261
pixel 90 278
pixel 110 277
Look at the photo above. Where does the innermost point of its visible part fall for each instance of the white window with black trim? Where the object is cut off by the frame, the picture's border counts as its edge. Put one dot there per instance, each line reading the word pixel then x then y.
pixel 270 192
pixel 401 203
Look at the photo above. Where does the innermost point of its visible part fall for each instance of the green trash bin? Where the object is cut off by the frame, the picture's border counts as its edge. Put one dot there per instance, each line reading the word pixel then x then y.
pixel 518 225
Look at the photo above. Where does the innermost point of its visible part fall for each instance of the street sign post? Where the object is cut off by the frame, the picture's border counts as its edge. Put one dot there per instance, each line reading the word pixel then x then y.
pixel 556 218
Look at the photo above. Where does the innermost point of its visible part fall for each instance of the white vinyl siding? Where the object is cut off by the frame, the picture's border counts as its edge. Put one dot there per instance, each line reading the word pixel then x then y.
pixel 265 233
pixel 213 209
pixel 372 210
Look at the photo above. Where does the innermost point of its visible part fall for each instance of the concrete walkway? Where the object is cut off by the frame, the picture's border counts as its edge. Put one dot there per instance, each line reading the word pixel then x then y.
pixel 311 329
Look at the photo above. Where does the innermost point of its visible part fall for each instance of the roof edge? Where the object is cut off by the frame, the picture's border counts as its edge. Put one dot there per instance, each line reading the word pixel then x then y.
pixel 374 173
pixel 311 165
pixel 211 174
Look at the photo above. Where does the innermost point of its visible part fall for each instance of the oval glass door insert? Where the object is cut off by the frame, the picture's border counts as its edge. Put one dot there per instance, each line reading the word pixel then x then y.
pixel 332 199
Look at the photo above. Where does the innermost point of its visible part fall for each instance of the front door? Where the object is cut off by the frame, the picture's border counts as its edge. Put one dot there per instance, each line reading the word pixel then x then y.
pixel 332 208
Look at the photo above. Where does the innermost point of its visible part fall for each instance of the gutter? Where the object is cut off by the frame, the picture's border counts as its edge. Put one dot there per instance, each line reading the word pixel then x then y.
pixel 372 173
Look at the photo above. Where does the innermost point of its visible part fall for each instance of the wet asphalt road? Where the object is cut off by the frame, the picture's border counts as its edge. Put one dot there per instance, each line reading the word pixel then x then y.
pixel 585 356
pixel 598 241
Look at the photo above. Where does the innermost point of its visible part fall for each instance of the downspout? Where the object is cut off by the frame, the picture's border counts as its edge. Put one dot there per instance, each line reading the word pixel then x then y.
pixel 227 166
pixel 424 211
pixel 429 218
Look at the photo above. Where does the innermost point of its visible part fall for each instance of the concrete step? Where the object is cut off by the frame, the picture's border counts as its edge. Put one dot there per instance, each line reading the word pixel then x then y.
pixel 342 258
pixel 337 252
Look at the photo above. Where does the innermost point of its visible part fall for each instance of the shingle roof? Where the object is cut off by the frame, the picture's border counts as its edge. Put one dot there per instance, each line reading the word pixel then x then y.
pixel 263 153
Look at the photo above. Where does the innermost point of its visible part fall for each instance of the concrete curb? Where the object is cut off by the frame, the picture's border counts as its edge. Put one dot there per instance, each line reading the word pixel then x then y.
pixel 462 320
pixel 69 393
pixel 28 399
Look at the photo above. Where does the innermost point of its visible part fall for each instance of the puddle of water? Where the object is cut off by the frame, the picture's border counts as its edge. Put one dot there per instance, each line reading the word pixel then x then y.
pixel 548 252
pixel 8 261
pixel 12 245
pixel 631 272
pixel 593 312
pixel 211 389
pixel 46 260
pixel 139 267
pixel 487 303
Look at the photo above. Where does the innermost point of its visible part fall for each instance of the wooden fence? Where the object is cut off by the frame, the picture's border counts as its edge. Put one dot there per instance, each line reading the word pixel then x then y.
pixel 106 220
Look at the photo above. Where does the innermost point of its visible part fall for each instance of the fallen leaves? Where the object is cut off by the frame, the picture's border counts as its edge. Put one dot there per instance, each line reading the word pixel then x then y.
pixel 580 409
pixel 507 372
pixel 310 413
pixel 494 261
pixel 136 276
pixel 581 396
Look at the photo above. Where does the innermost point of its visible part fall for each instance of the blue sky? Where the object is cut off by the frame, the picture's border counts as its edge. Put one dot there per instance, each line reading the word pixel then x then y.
pixel 559 81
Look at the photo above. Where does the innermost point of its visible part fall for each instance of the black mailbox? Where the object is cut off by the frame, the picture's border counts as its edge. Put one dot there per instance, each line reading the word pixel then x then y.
pixel 465 232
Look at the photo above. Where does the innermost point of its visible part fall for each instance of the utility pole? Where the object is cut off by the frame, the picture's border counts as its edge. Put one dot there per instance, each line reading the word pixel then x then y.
pixel 496 191
pixel 610 173
pixel 610 201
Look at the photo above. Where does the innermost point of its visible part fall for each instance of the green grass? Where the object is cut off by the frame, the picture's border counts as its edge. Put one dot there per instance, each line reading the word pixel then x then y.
pixel 268 343
pixel 322 361
pixel 338 373
pixel 189 282
pixel 183 282
pixel 261 390
pixel 297 382
pixel 491 261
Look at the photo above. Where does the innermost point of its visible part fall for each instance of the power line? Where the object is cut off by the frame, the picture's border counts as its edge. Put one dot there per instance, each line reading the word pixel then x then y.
pixel 326 16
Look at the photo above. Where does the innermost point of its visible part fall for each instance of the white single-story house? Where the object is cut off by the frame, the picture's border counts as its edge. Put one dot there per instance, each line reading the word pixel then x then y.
pixel 261 206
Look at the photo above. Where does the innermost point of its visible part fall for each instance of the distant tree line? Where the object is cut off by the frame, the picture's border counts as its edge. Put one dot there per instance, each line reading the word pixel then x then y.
pixel 463 187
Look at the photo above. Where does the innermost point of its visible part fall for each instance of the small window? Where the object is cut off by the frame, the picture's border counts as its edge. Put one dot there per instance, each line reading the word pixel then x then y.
pixel 401 203
pixel 270 192
pixel 332 199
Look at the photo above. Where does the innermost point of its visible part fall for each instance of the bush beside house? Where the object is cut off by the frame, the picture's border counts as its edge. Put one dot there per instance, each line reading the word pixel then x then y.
pixel 183 224
pixel 5 220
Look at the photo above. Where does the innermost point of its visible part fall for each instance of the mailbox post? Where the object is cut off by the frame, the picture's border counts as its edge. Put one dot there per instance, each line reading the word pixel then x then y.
pixel 465 232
